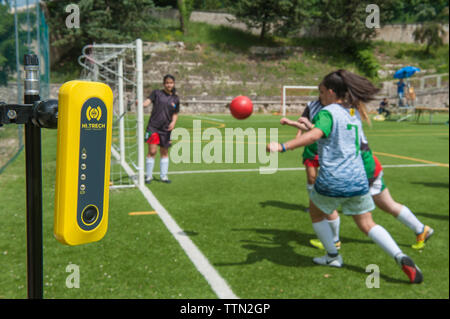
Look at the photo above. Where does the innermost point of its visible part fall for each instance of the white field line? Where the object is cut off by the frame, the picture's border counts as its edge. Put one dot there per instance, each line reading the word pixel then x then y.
pixel 217 283
pixel 411 165
pixel 207 118
pixel 244 170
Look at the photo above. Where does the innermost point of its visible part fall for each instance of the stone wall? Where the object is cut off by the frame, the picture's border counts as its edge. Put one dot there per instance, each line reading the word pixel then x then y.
pixel 261 104
pixel 224 19
pixel 433 98
pixel 9 93
pixel 390 32
pixel 296 105
pixel 403 33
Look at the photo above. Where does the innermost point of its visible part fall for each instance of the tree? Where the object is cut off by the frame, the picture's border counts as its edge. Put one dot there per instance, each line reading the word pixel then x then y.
pixel 213 4
pixel 412 11
pixel 8 43
pixel 344 20
pixel 263 14
pixel 430 33
pixel 100 21
pixel 299 15
pixel 185 8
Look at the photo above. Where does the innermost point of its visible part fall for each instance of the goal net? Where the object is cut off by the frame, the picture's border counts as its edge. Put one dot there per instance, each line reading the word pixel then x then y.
pixel 301 94
pixel 120 66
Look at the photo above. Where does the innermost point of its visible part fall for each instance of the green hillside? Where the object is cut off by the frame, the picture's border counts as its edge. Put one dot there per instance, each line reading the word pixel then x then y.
pixel 222 61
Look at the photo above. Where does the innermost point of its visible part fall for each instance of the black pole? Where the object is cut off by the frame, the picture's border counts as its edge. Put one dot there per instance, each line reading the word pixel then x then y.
pixel 34 184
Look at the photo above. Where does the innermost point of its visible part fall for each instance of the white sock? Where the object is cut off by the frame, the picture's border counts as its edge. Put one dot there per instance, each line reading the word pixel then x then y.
pixel 335 224
pixel 407 218
pixel 164 167
pixel 325 235
pixel 383 239
pixel 149 164
pixel 309 188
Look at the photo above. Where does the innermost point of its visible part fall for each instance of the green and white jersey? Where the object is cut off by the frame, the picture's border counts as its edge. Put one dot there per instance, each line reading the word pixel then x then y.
pixel 368 159
pixel 342 172
pixel 311 110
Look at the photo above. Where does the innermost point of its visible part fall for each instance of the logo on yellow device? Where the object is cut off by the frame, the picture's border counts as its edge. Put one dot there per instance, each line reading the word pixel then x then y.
pixel 94 113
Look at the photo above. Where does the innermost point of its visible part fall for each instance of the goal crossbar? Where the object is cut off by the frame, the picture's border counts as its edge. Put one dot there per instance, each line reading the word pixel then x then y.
pixel 287 87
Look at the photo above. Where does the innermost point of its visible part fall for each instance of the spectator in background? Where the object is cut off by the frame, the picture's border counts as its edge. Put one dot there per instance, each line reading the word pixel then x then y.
pixel 383 107
pixel 401 92
pixel 410 95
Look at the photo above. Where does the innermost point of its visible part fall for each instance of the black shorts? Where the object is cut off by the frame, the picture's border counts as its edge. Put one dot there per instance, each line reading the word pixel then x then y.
pixel 161 138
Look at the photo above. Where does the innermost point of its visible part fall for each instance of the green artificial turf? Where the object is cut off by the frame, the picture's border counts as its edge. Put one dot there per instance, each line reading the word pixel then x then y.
pixel 253 228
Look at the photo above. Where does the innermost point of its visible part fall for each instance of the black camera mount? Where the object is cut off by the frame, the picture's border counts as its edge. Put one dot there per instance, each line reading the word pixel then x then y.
pixel 34 115
pixel 43 114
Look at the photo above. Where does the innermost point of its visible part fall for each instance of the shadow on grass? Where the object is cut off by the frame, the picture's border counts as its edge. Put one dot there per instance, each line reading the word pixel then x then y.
pixel 283 205
pixel 433 184
pixel 188 233
pixel 358 269
pixel 432 216
pixel 276 246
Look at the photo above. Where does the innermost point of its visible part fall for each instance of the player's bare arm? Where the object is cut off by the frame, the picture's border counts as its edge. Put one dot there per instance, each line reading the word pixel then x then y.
pixel 173 123
pixel 305 139
pixel 299 125
pixel 147 103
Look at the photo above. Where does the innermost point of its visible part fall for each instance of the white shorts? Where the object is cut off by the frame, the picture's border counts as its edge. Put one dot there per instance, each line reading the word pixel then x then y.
pixel 378 185
pixel 355 205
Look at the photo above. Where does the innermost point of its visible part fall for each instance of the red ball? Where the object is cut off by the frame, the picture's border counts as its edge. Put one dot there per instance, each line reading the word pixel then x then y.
pixel 241 107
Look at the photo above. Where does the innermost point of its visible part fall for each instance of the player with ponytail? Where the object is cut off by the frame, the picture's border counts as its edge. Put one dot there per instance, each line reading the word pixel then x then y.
pixel 342 180
pixel 164 116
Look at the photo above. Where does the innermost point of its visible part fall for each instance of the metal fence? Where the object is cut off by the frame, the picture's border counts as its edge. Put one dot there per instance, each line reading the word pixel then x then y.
pixel 31 35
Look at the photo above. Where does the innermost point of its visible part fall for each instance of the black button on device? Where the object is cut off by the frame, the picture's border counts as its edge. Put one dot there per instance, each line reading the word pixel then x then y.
pixel 89 215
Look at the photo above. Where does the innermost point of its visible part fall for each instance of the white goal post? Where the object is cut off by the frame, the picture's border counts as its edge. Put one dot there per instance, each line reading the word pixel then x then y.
pixel 121 67
pixel 286 88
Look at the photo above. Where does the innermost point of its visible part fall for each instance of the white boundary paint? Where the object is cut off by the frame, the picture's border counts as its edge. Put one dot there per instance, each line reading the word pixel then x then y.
pixel 246 170
pixel 217 283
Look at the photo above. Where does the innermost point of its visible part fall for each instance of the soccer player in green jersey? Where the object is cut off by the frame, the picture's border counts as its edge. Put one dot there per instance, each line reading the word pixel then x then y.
pixel 342 180
pixel 380 194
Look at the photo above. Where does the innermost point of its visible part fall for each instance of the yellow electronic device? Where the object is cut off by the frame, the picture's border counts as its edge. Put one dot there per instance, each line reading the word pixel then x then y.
pixel 85 111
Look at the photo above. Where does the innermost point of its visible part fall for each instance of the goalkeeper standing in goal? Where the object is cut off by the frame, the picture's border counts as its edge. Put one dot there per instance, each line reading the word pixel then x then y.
pixel 164 116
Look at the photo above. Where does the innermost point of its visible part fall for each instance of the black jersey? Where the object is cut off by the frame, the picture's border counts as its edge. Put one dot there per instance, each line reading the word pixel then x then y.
pixel 164 107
